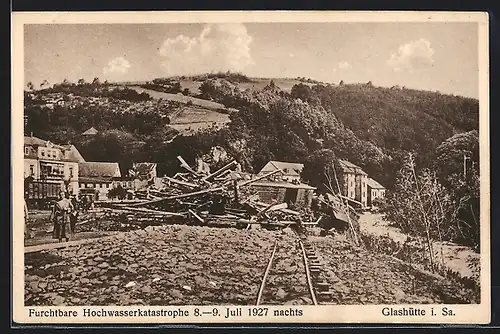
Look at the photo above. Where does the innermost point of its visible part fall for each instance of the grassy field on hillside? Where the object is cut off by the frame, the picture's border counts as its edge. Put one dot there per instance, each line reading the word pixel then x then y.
pixel 180 98
pixel 191 120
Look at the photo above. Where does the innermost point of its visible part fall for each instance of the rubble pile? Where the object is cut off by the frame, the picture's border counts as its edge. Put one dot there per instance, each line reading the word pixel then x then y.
pixel 221 198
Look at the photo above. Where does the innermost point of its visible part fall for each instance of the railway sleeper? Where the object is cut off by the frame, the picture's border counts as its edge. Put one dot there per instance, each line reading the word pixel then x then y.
pixel 326 295
pixel 322 286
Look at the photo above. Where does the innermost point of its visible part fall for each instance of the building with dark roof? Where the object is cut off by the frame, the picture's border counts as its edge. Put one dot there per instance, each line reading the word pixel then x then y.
pixel 96 178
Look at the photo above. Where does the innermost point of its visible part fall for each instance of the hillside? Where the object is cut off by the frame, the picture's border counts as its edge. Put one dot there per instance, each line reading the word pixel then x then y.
pixel 371 126
pixel 179 98
pixel 394 118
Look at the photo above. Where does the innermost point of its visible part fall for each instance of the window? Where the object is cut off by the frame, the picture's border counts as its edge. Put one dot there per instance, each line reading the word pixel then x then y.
pixel 32 170
pixel 71 172
pixel 26 150
pixel 43 153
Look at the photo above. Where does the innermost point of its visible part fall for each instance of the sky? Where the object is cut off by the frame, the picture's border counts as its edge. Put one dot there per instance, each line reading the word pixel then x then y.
pixel 433 56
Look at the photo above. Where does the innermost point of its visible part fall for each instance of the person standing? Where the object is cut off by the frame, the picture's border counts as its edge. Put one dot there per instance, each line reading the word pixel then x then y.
pixel 60 216
pixel 73 219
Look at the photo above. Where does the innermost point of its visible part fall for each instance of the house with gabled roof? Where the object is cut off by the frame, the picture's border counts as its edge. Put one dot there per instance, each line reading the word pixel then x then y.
pixel 96 178
pixel 91 132
pixel 375 191
pixel 290 170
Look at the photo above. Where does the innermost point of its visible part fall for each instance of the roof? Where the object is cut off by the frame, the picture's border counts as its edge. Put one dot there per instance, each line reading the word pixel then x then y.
pixel 288 168
pixel 142 169
pixel 99 169
pixel 73 153
pixel 34 141
pixel 83 179
pixel 348 166
pixel 70 152
pixel 282 185
pixel 91 131
pixel 374 184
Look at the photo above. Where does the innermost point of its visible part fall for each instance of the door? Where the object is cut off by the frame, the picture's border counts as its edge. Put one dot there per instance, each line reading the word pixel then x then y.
pixel 291 196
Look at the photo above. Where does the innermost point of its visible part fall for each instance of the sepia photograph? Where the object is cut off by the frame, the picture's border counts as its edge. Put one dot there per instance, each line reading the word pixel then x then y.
pixel 258 168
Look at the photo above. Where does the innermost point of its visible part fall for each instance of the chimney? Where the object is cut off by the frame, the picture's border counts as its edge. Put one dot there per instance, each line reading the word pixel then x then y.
pixel 31 134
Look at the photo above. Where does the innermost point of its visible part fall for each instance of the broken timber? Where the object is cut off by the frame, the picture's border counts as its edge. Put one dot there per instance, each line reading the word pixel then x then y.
pixel 245 183
pixel 220 171
pixel 195 193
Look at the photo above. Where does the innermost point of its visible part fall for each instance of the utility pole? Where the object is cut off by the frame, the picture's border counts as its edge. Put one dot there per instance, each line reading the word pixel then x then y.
pixel 465 165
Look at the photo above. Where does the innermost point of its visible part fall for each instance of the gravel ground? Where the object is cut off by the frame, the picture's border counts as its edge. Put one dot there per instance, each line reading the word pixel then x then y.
pixel 187 265
pixel 286 283
pixel 359 276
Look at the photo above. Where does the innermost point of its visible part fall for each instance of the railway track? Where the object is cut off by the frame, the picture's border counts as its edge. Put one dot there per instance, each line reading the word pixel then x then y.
pixel 293 276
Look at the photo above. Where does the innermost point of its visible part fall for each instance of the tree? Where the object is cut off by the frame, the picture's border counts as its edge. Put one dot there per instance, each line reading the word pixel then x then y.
pixel 81 82
pixel 457 164
pixel 117 192
pixel 421 206
pixel 301 91
pixel 322 170
pixel 44 84
pixel 96 82
pixel 30 86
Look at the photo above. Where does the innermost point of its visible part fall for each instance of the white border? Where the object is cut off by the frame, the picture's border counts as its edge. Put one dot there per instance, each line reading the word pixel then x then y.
pixel 465 314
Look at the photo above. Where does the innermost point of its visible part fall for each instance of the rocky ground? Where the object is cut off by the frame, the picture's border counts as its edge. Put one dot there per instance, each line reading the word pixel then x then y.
pixel 179 265
pixel 286 283
pixel 359 276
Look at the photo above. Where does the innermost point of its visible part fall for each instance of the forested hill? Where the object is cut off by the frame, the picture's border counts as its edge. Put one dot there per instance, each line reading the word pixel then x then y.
pixel 395 118
pixel 370 126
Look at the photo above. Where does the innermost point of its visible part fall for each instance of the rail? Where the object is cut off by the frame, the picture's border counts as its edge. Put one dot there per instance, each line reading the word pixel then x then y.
pixel 310 285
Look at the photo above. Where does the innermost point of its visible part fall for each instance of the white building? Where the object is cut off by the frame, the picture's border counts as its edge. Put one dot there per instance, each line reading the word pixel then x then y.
pixel 96 178
pixel 375 190
pixel 291 170
pixel 51 164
